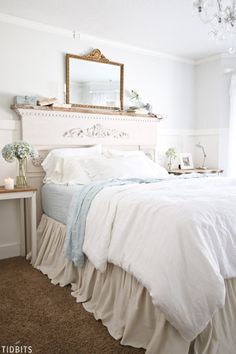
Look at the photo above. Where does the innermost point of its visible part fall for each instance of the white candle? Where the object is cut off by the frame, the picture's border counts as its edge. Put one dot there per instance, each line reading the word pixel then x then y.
pixel 9 183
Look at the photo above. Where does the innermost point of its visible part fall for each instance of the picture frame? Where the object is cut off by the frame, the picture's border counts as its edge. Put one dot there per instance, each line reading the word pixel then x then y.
pixel 186 161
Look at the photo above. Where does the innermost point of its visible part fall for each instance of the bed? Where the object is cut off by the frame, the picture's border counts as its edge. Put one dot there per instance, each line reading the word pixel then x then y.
pixel 123 295
pixel 140 323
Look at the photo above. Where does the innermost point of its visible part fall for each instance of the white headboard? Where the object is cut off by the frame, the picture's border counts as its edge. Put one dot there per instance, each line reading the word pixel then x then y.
pixel 48 128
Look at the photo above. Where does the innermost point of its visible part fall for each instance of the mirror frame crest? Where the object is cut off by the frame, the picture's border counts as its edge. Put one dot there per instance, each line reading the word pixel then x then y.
pixel 96 56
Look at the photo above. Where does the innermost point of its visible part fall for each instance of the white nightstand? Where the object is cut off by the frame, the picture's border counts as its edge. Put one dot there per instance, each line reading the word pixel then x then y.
pixel 196 170
pixel 22 194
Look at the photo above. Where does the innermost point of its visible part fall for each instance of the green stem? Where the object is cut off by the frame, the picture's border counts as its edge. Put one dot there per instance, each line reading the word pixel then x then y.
pixel 21 179
pixel 21 167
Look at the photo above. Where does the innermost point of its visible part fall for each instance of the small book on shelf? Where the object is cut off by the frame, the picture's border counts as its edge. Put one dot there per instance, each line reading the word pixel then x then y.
pixel 61 105
pixel 47 101
pixel 137 110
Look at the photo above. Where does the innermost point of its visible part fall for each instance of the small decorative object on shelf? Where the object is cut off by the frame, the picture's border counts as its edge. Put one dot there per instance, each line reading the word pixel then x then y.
pixel 26 100
pixel 20 151
pixel 9 183
pixel 140 107
pixel 47 101
pixel 186 161
pixel 171 155
pixel 203 167
pixel 135 97
pixel 61 105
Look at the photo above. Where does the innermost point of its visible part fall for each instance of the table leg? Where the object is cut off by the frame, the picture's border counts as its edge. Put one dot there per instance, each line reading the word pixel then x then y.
pixel 33 229
pixel 22 228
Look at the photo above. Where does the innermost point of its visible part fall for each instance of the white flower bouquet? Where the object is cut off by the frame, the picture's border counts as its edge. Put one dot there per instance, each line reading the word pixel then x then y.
pixel 171 155
pixel 19 151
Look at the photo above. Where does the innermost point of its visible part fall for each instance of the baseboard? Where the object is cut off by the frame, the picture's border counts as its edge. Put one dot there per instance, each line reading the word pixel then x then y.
pixel 9 250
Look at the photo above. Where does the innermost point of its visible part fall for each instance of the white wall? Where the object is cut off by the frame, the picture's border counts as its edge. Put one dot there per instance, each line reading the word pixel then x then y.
pixel 208 102
pixel 33 63
pixel 208 89
pixel 212 106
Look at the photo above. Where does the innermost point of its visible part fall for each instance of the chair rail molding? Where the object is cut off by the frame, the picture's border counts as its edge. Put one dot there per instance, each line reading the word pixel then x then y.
pixel 9 124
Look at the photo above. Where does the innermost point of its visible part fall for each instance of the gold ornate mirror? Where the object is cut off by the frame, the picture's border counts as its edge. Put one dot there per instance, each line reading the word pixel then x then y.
pixel 93 81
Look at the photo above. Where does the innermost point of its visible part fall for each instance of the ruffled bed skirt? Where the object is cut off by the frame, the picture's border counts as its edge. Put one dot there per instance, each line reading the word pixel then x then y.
pixel 125 306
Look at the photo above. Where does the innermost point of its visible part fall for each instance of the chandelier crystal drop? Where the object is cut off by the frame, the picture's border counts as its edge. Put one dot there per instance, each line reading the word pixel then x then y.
pixel 220 15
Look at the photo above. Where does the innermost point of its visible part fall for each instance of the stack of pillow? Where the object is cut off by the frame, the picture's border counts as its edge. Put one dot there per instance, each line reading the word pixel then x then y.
pixel 85 165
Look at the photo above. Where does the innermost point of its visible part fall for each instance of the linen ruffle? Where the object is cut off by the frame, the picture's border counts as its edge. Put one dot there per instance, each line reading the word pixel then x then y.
pixel 125 306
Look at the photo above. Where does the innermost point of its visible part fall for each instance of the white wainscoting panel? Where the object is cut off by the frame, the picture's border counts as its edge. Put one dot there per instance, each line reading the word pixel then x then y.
pixel 9 132
pixel 10 228
pixel 8 124
pixel 186 140
pixel 9 210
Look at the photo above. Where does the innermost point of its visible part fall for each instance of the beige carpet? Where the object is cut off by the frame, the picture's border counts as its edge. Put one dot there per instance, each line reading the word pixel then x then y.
pixel 36 313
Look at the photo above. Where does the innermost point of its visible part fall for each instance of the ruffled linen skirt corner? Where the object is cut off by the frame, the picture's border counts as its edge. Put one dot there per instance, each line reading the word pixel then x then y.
pixel 124 306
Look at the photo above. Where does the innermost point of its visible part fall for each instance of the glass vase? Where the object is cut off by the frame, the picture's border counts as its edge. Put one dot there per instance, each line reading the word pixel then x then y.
pixel 169 165
pixel 21 178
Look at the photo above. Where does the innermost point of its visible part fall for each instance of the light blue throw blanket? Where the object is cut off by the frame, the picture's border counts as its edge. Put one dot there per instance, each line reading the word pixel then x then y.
pixel 78 212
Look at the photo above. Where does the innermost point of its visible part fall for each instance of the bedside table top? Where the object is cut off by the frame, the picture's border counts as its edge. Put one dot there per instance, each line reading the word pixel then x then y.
pixel 17 190
pixel 196 170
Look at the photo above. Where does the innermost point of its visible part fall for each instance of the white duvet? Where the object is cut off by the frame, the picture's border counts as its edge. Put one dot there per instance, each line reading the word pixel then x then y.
pixel 177 237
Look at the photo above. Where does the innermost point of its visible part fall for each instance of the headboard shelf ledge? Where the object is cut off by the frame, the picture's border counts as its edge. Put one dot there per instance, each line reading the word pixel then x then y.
pixel 17 107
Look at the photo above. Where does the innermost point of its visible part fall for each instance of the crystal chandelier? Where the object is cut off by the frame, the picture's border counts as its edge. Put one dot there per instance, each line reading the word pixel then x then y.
pixel 220 15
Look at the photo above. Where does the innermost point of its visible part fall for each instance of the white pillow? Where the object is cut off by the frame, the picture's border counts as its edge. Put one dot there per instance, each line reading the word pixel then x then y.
pixel 55 160
pixel 73 171
pixel 160 171
pixel 136 166
pixel 117 153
